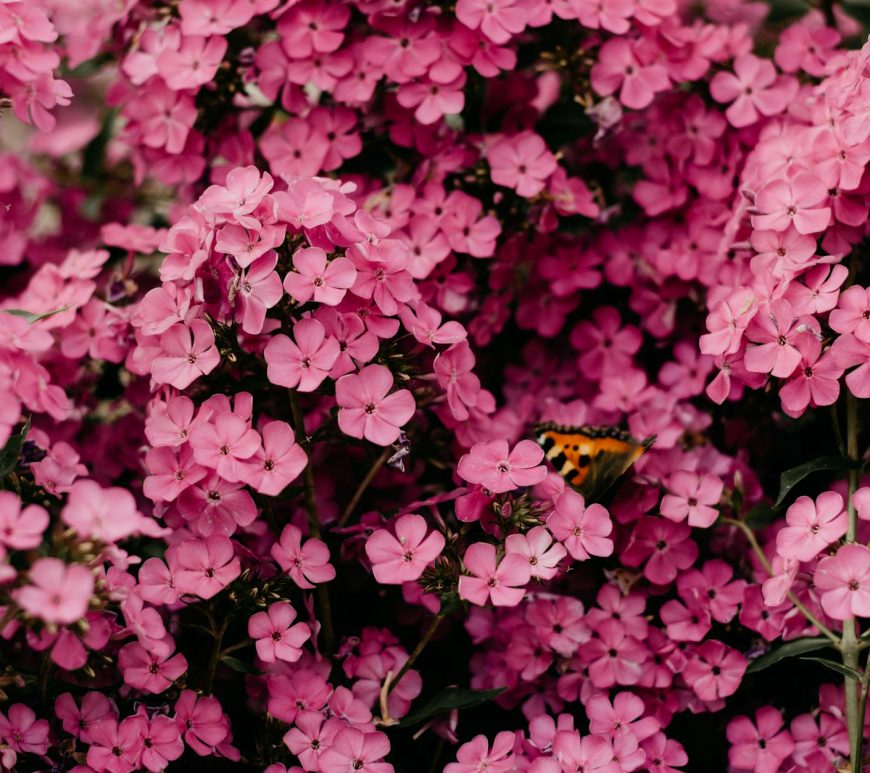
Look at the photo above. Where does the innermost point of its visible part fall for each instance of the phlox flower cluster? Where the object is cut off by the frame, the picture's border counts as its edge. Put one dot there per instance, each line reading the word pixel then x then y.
pixel 289 290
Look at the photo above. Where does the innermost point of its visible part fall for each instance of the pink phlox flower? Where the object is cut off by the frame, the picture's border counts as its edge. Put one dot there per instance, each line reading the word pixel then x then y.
pixel 692 497
pixel 275 635
pixel 224 444
pixel 775 331
pixel 193 64
pixel 583 529
pixel 21 528
pixel 186 353
pixel 800 202
pixel 58 592
pixel 304 363
pixel 203 567
pixel 522 162
pixel 306 564
pixel 752 89
pixel 621 67
pixel 22 731
pixel 501 582
pixel 258 290
pixel 812 526
pixel 353 749
pixel 424 323
pixel 403 557
pixel 278 462
pixel 498 468
pixel 366 410
pixel 761 746
pixel 844 582
pixel 153 670
pixel 539 548
pixel 201 721
pixel 315 277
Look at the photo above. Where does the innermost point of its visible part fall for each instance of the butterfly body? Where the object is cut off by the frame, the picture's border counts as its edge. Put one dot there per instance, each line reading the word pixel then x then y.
pixel 590 459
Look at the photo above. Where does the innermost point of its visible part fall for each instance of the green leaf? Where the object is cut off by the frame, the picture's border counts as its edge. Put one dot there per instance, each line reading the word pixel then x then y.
pixel 790 478
pixel 447 700
pixel 238 665
pixel 846 671
pixel 12 450
pixel 788 650
pixel 31 317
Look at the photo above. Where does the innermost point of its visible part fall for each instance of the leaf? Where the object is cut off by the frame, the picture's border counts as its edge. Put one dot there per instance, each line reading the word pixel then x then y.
pixel 846 671
pixel 238 665
pixel 790 478
pixel 12 450
pixel 447 700
pixel 31 317
pixel 788 650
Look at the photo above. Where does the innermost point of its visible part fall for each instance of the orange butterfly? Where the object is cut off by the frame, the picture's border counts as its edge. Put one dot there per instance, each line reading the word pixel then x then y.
pixel 590 459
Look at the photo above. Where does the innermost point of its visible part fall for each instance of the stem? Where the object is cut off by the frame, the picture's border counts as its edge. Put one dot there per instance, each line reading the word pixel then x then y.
pixel 314 530
pixel 856 695
pixel 364 484
pixel 811 618
pixel 216 653
pixel 421 645
pixel 828 12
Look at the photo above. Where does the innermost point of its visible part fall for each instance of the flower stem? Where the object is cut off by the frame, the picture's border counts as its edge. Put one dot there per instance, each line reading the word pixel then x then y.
pixel 364 484
pixel 421 645
pixel 811 618
pixel 314 530
pixel 856 694
pixel 215 653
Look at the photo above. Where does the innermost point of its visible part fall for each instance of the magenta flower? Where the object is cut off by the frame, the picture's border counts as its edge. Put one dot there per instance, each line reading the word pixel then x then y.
pixel 477 755
pixel 692 497
pixel 278 462
pixel 496 467
pixel 403 557
pixel 352 749
pixel 582 529
pixel 306 564
pixel 224 444
pixel 314 277
pixel 204 567
pixel 58 592
pixel 844 582
pixel 20 529
pixel 115 748
pixel 366 410
pixel 503 583
pixel 194 63
pixel 186 353
pixel 619 68
pixel 815 381
pixel 751 89
pixel 799 203
pixel 762 746
pixel 812 526
pixel 161 740
pixel 666 548
pixel 499 20
pixel 259 290
pixel 22 731
pixel 539 548
pixel 201 721
pixel 852 314
pixel 275 635
pixel 153 670
pixel 714 671
pixel 302 364
pixel 521 162
pixel 775 330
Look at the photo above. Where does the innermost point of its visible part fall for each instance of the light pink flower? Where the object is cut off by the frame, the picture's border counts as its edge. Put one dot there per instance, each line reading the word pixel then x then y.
pixel 539 548
pixel 498 468
pixel 751 89
pixel 224 444
pixel 800 202
pixel 403 557
pixel 693 497
pixel 20 529
pixel 314 277
pixel 812 526
pixel 582 529
pixel 58 592
pixel 762 746
pixel 844 582
pixel 503 583
pixel 522 162
pixel 203 567
pixel 366 410
pixel 306 564
pixel 186 353
pixel 276 636
pixel 302 364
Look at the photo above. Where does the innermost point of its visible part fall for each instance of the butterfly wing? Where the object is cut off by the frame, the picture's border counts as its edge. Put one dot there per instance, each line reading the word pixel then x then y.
pixel 590 459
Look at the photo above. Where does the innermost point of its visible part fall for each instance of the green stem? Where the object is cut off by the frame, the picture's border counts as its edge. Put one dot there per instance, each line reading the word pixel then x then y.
pixel 856 695
pixel 811 618
pixel 421 645
pixel 314 530
pixel 364 484
pixel 216 653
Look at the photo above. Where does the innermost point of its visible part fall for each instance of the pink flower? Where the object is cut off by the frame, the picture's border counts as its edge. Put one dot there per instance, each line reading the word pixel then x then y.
pixel 714 671
pixel 352 749
pixel 582 529
pixel 727 322
pixel 476 755
pixel 521 162
pixel 665 546
pixel 314 277
pixel 816 380
pixel 115 748
pixel 496 467
pixel 58 592
pixel 693 497
pixel 852 314
pixel 204 567
pixel 752 89
pixel 77 720
pixel 503 583
pixel 775 330
pixel 186 353
pixel 22 731
pixel 812 526
pixel 201 720
pixel 193 64
pixel 20 529
pixel 276 636
pixel 224 444
pixel 302 364
pixel 619 68
pixel 404 557
pixel 151 670
pixel 365 410
pixel 278 462
pixel 498 20
pixel 306 564
pixel 539 548
pixel 798 203
pixel 761 747
pixel 105 514
pixel 259 290
pixel 844 582
pixel 162 742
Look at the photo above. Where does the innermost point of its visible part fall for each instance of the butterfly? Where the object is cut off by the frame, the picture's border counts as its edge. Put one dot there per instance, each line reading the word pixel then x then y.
pixel 590 459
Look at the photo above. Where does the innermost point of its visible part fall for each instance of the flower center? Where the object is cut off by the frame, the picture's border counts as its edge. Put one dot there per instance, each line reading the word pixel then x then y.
pixel 370 408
